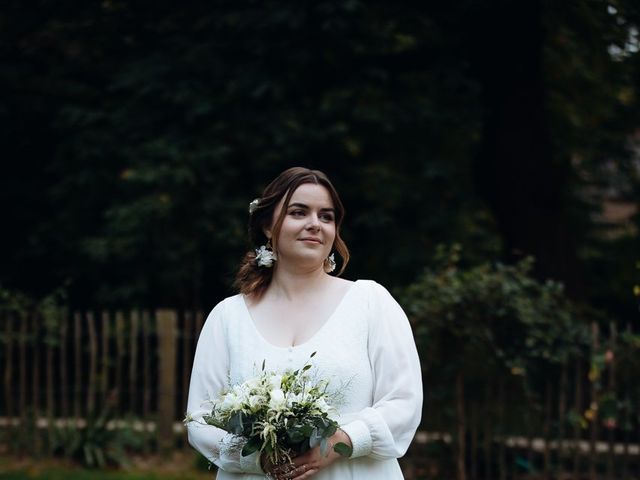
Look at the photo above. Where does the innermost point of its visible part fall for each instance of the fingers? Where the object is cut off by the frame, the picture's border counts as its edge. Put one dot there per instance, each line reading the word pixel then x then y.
pixel 298 472
pixel 292 472
pixel 307 474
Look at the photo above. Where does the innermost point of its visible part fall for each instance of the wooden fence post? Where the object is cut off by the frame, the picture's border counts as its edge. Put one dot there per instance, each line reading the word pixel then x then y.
pixel 93 364
pixel 50 341
pixel 562 416
pixel 593 437
pixel 146 376
pixel 8 375
pixel 104 380
pixel 461 428
pixel 63 365
pixel 77 364
pixel 120 358
pixel 167 333
pixel 187 357
pixel 35 321
pixel 613 337
pixel 22 375
pixel 577 429
pixel 133 363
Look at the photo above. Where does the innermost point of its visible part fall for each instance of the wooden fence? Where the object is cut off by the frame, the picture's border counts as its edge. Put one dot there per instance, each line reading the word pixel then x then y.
pixel 67 369
pixel 70 369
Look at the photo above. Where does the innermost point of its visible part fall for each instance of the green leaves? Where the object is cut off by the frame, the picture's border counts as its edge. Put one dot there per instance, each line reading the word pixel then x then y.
pixel 252 445
pixel 343 449
pixel 496 312
pixel 297 432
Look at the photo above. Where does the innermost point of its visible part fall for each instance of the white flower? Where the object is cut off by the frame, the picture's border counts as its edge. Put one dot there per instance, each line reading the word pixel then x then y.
pixel 275 381
pixel 277 400
pixel 254 205
pixel 254 383
pixel 255 401
pixel 322 405
pixel 265 257
pixel 230 402
pixel 241 391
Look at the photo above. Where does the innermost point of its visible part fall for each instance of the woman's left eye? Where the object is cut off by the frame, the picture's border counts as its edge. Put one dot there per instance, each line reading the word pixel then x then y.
pixel 327 217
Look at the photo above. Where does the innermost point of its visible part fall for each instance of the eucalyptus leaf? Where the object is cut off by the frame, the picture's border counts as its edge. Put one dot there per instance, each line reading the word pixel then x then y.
pixel 343 449
pixel 315 439
pixel 324 447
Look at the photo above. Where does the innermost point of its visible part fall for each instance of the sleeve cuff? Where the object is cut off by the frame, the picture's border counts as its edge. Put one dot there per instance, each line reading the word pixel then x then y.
pixel 251 463
pixel 360 438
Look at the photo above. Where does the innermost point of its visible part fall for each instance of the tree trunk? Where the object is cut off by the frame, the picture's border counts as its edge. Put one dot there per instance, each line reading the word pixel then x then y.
pixel 516 171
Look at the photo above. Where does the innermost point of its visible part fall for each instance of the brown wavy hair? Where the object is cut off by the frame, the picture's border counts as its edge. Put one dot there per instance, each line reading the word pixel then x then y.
pixel 252 280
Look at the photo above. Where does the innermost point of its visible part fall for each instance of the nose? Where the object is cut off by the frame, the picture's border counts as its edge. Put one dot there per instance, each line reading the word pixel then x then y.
pixel 314 222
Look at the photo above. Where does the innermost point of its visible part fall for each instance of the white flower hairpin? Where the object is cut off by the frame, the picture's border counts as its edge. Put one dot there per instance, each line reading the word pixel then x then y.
pixel 254 205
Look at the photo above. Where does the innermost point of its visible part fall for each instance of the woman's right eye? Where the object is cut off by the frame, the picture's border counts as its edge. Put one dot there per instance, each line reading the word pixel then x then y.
pixel 297 213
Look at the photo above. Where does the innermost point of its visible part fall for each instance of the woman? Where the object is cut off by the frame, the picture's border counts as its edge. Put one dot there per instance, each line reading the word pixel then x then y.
pixel 289 307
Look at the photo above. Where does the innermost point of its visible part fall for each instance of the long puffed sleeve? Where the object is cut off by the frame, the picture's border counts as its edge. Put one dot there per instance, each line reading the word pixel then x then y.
pixel 209 376
pixel 385 429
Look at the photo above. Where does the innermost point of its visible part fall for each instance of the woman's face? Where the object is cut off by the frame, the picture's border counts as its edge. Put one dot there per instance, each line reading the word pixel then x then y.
pixel 308 229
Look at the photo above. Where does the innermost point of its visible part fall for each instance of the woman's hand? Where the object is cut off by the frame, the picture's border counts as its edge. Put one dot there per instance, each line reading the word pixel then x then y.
pixel 307 465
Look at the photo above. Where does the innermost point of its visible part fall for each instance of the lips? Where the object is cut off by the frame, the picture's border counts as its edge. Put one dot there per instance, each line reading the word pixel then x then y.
pixel 310 239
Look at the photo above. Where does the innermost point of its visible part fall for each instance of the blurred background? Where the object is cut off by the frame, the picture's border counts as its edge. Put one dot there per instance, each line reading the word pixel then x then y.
pixel 487 153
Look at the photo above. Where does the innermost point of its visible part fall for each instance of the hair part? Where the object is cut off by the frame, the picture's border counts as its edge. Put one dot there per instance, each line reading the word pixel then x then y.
pixel 252 280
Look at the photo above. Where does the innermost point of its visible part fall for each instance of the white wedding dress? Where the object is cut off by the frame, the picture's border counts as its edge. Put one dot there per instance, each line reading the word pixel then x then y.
pixel 366 350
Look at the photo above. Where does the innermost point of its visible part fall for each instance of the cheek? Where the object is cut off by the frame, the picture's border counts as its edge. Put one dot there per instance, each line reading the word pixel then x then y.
pixel 331 234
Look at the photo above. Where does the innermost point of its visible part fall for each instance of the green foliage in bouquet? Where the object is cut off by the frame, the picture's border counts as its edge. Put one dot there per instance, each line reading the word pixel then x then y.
pixel 278 414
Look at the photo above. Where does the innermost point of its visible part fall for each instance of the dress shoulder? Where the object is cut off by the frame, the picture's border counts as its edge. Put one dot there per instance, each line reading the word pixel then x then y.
pixel 377 292
pixel 227 305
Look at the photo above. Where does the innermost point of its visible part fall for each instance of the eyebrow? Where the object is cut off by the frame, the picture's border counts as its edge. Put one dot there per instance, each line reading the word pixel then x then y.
pixel 302 205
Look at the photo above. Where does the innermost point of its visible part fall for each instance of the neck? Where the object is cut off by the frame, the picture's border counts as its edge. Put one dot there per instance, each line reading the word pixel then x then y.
pixel 290 283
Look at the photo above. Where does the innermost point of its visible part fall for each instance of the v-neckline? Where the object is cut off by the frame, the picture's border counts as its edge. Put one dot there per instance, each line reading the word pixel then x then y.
pixel 308 340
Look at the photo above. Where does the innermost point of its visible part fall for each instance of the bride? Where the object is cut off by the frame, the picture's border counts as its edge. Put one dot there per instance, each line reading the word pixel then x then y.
pixel 290 306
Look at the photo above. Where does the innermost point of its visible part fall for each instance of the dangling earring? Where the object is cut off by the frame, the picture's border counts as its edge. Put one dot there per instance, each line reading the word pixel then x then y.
pixel 265 256
pixel 330 263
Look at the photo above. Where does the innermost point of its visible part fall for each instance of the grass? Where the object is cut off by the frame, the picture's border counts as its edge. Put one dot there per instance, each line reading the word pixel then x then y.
pixel 178 467
pixel 99 475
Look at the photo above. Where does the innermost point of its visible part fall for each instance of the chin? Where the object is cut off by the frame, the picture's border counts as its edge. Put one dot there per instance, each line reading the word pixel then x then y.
pixel 314 260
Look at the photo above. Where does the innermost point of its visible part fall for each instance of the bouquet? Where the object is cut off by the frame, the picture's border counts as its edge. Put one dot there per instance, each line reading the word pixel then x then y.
pixel 279 414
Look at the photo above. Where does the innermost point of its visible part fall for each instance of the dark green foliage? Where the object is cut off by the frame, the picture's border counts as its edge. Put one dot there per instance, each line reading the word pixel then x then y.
pixel 491 322
pixel 496 309
pixel 135 138
pixel 100 443
pixel 178 120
